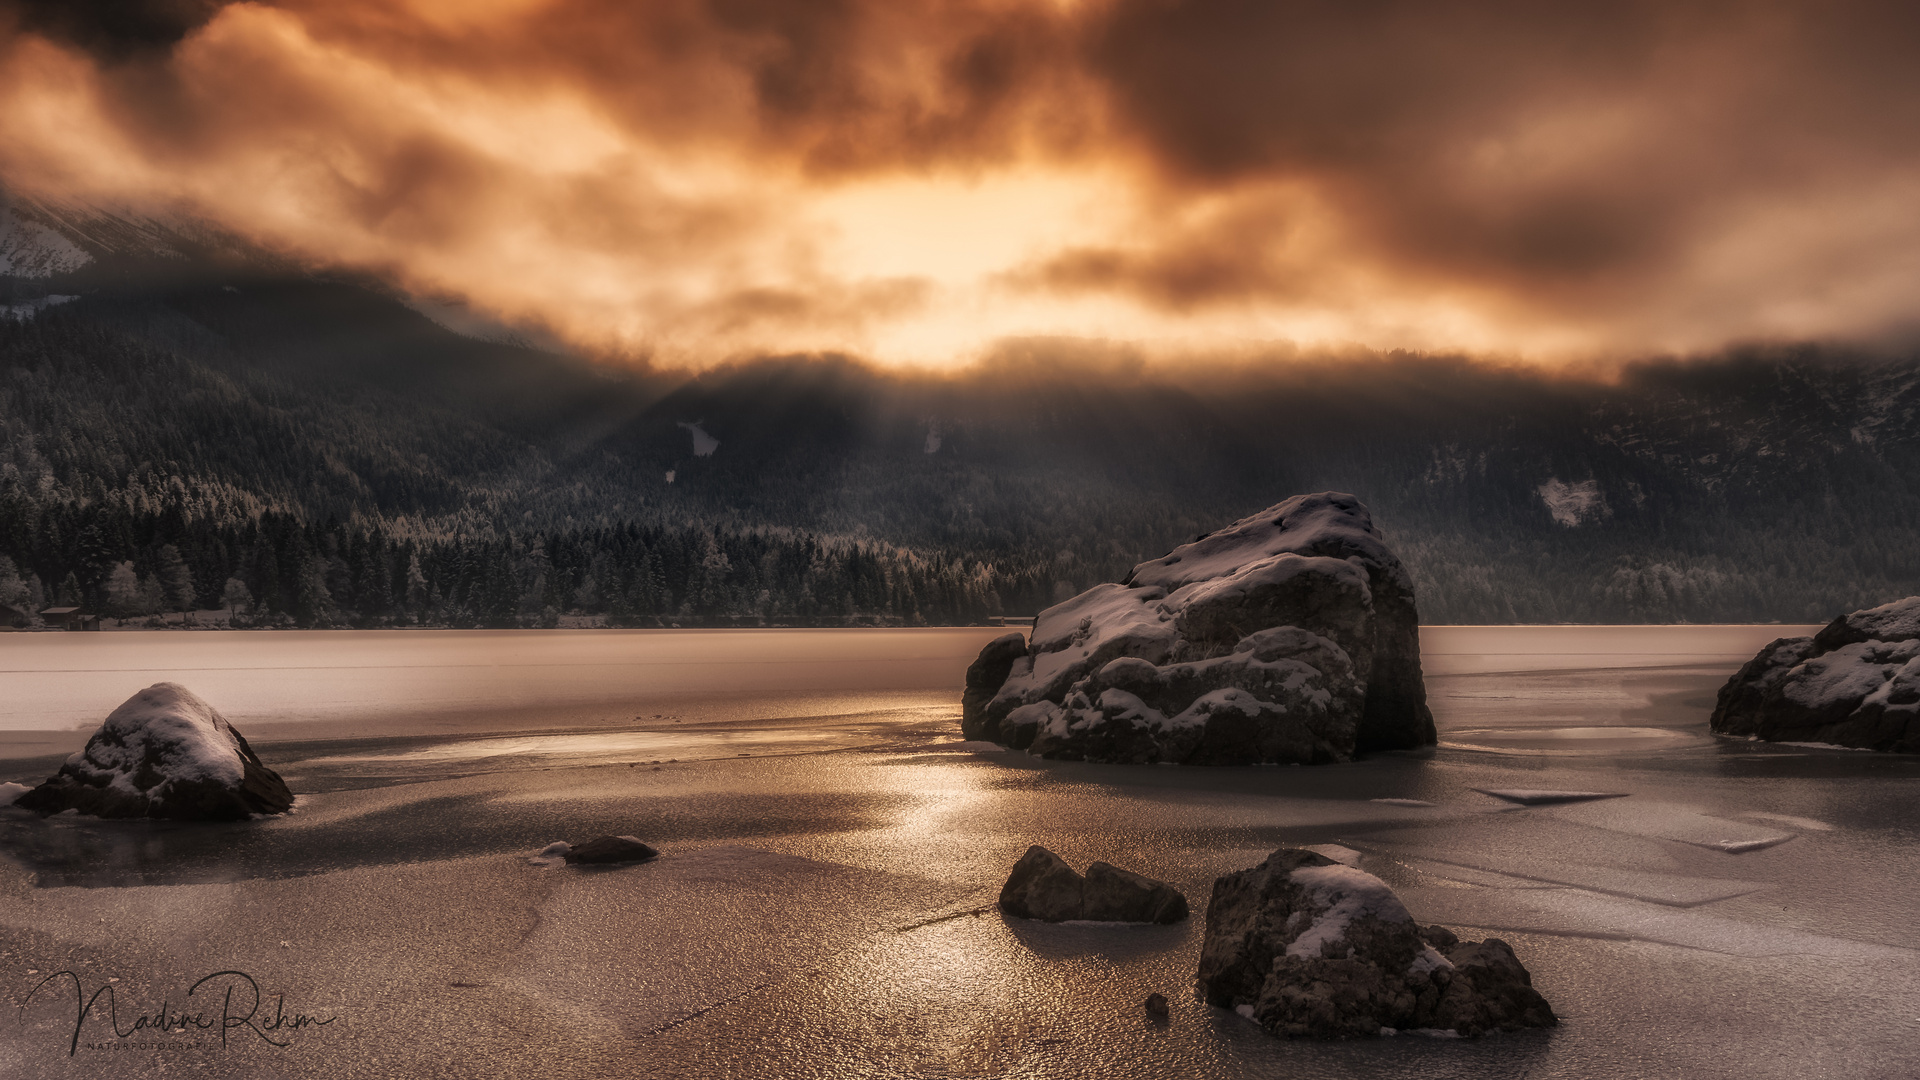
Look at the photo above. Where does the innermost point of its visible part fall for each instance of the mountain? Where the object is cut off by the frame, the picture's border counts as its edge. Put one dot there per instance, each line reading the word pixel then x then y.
pixel 181 414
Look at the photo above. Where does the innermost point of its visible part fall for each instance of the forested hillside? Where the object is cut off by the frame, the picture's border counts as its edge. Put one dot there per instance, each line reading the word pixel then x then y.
pixel 314 452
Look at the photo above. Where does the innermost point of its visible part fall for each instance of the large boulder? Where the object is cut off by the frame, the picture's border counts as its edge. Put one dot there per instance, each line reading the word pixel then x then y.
pixel 1289 636
pixel 1042 886
pixel 1855 683
pixel 164 754
pixel 1310 948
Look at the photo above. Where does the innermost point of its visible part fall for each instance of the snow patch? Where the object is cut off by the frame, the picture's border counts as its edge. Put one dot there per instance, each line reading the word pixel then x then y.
pixel 1339 853
pixel 10 792
pixel 1576 504
pixel 27 309
pixel 669 476
pixel 31 250
pixel 1339 895
pixel 703 444
pixel 933 437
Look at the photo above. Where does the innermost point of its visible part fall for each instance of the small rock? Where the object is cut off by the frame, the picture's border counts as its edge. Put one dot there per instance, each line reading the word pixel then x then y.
pixel 1157 1004
pixel 612 849
pixel 1042 886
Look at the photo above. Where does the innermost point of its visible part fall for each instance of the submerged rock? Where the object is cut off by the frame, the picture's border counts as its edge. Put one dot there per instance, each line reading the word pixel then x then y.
pixel 608 849
pixel 1855 683
pixel 1308 947
pixel 1042 886
pixel 164 753
pixel 1289 636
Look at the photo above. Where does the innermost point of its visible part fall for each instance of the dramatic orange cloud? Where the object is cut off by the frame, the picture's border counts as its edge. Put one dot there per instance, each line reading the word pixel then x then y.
pixel 914 180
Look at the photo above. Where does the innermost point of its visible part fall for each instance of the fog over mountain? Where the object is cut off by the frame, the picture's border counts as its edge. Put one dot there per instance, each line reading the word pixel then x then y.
pixel 172 398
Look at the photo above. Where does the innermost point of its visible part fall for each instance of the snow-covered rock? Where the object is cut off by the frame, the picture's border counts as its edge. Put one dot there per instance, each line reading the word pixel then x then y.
pixel 164 754
pixel 1289 636
pixel 1042 886
pixel 1308 947
pixel 1855 683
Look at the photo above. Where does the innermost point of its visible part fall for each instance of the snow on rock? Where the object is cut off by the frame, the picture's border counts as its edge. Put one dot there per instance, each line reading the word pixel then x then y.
pixel 165 754
pixel 1856 683
pixel 1576 504
pixel 1042 886
pixel 1307 947
pixel 10 793
pixel 1289 636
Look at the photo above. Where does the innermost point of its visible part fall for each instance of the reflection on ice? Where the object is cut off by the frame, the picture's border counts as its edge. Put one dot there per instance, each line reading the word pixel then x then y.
pixel 1572 740
pixel 593 744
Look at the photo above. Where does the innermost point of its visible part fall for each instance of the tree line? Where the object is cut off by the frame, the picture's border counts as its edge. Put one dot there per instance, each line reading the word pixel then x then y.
pixel 277 571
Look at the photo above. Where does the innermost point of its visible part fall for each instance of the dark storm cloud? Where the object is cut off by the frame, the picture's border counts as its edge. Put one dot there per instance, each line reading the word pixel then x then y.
pixel 113 29
pixel 1630 173
pixel 1549 146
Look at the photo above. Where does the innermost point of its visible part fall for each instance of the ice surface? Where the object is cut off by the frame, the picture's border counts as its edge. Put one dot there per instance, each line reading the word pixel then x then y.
pixel 1668 821
pixel 789 934
pixel 1581 913
pixel 1673 890
pixel 1789 819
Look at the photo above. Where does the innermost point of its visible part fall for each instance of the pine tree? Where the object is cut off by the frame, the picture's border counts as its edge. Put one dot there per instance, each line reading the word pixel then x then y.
pixel 176 580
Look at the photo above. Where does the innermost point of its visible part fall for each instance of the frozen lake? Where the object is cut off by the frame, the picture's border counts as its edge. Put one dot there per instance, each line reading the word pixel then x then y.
pixel 832 852
pixel 390 682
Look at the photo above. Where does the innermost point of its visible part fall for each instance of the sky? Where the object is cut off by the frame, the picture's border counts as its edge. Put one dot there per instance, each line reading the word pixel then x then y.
pixel 922 181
